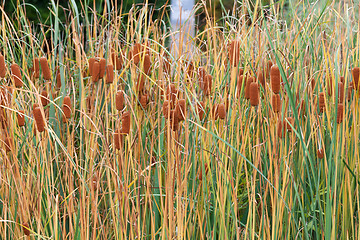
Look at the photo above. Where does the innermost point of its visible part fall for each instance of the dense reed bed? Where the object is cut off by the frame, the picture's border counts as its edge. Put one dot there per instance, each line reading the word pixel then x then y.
pixel 251 132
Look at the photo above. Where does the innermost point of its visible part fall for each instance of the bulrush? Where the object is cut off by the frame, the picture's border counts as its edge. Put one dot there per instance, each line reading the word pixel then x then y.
pixel 125 123
pixel 45 68
pixel 135 53
pixel 102 63
pixel 39 120
pixel 21 118
pixel 117 60
pixel 8 144
pixel 234 52
pixel 16 75
pixel 341 92
pixel 174 121
pixel 355 73
pixel 44 98
pixel 109 73
pixel 275 79
pixel 36 68
pixel 340 110
pixel 201 110
pixel 289 122
pixel 249 80
pixel 144 100
pixel 2 66
pixel 268 66
pixel 241 83
pixel 280 130
pixel 117 139
pixel 66 108
pixel 171 93
pixel 147 64
pixel 58 78
pixel 221 111
pixel 140 84
pixel 261 79
pixel 342 79
pixel 119 100
pixel 166 108
pixel 313 83
pixel 90 103
pixel 181 109
pixel 95 72
pixel 349 92
pixel 26 229
pixel 91 66
pixel 276 103
pixel 254 94
pixel 321 102
pixel 207 84
pixel 320 153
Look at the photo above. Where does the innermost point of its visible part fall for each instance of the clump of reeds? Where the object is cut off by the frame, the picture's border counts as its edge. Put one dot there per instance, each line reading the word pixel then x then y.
pixel 46 73
pixel 275 79
pixel 234 52
pixel 16 75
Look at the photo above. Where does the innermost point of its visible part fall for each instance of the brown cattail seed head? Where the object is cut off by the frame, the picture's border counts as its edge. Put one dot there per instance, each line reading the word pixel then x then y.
pixel 44 98
pixel 201 110
pixel 91 66
pixel 254 94
pixel 181 109
pixel 260 78
pixel 120 99
pixel 45 68
pixel 21 118
pixel 36 68
pixel 117 139
pixel 117 60
pixel 58 78
pixel 355 73
pixel 166 108
pixel 280 130
pixel 147 64
pixel 275 79
pixel 102 63
pixel 341 92
pixel 247 87
pixel 321 102
pixel 234 52
pixel 66 108
pixel 276 103
pixel 349 93
pixel 109 73
pixel 144 100
pixel 320 153
pixel 340 111
pixel 39 119
pixel 289 123
pixel 16 75
pixel 125 123
pixel 207 84
pixel 201 76
pixel 8 144
pixel 95 72
pixel 2 66
pixel 174 121
pixel 221 109
pixel 140 83
pixel 26 229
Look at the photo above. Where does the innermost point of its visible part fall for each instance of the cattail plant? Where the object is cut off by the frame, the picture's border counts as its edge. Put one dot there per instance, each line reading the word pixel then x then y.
pixel 201 110
pixel 140 84
pixel 2 66
pixel 355 73
pixel 181 109
pixel 172 94
pixel 35 69
pixel 349 92
pixel 91 66
pixel 289 122
pixel 117 139
pixel 95 72
pixel 321 102
pixel 26 229
pixel 45 68
pixel 221 111
pixel 201 72
pixel 109 73
pixel 66 108
pixel 275 79
pixel 280 129
pixel 117 60
pixel 119 100
pixel 174 121
pixel 125 123
pixel 16 75
pixel 260 78
pixel 249 80
pixel 254 94
pixel 21 118
pixel 241 81
pixel 58 77
pixel 39 119
pixel 340 110
pixel 329 84
pixel 144 100
pixel 102 63
pixel 320 153
pixel 44 98
pixel 166 108
pixel 234 52
pixel 8 144
pixel 135 53
pixel 341 92
pixel 207 84
pixel 276 103
pixel 147 64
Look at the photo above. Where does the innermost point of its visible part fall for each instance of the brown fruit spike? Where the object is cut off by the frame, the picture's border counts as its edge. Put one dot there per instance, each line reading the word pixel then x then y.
pixel 321 102
pixel 147 64
pixel 261 79
pixel 45 68
pixel 247 87
pixel 16 75
pixel 181 109
pixel 109 73
pixel 125 123
pixel 355 73
pixel 280 130
pixel 254 94
pixel 91 66
pixel 320 153
pixel 276 103
pixel 39 120
pixel 102 63
pixel 21 118
pixel 144 100
pixel 275 79
pixel 66 108
pixel 120 99
pixel 95 72
pixel 117 139
pixel 166 108
pixel 234 52
pixel 340 111
pixel 36 68
pixel 44 98
pixel 2 66
pixel 221 110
